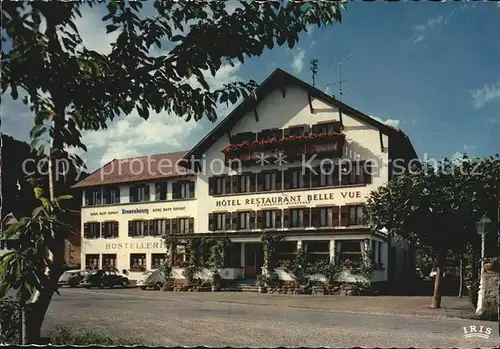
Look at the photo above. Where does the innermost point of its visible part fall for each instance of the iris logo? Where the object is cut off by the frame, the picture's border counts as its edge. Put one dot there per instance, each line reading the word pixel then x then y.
pixel 473 332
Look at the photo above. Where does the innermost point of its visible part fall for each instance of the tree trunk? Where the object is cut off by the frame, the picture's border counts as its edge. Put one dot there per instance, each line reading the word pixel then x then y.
pixel 436 298
pixel 461 286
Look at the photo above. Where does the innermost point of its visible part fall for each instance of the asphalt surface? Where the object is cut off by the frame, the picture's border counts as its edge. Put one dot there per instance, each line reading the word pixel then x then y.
pixel 170 319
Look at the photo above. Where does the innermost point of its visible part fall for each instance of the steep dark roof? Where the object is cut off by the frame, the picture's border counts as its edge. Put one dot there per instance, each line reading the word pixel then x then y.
pixel 278 79
pixel 137 170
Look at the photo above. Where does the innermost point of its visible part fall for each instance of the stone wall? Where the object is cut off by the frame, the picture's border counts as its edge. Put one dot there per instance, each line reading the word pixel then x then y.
pixel 491 285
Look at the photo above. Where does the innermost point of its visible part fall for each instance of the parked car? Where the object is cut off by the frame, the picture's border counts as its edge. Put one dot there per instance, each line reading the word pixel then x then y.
pixel 155 279
pixel 71 278
pixel 104 278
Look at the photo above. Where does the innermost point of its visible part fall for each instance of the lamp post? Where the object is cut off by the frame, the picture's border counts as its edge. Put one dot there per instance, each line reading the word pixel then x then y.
pixel 482 229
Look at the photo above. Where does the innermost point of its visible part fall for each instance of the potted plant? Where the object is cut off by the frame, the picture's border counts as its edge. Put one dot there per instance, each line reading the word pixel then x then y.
pixel 216 281
pixel 261 284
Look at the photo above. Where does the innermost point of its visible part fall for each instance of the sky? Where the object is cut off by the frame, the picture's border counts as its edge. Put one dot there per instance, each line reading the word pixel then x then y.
pixel 431 69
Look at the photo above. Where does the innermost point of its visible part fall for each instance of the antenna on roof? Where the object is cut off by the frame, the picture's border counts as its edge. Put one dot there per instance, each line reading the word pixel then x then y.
pixel 340 81
pixel 314 69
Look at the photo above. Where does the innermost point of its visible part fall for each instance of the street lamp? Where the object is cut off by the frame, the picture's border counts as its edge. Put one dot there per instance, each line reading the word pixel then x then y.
pixel 482 229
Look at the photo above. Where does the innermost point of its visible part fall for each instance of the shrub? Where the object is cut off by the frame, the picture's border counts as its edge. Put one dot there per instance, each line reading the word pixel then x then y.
pixel 9 322
pixel 473 293
pixel 65 336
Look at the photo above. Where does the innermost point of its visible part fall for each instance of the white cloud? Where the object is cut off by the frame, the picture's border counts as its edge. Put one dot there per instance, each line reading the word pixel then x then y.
pixel 421 30
pixel 298 61
pixel 388 122
pixel 485 94
pixel 418 39
pixel 468 147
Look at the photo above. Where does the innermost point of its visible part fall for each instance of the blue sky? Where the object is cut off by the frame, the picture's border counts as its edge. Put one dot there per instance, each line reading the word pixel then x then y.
pixel 432 69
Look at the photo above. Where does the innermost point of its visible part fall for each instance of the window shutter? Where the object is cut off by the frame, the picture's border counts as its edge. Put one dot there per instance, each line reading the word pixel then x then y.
pixel 279 180
pixel 307 217
pixel 345 175
pixel 253 177
pixel 260 219
pixel 145 227
pixel 85 230
pixel 87 197
pixel 307 130
pixel 235 225
pixel 115 229
pixel 278 219
pixel 105 196
pixel 228 185
pixel 307 177
pixel 191 225
pixel 152 227
pixel 235 184
pixel 288 179
pixel 211 186
pixel 286 218
pixel 344 216
pixel 315 177
pixel 191 189
pixel 228 222
pixel 168 227
pixel 211 225
pixel 260 181
pixel 146 192
pixel 175 190
pixel 367 169
pixel 252 219
pixel 175 224
pixel 335 216
pixel 336 175
pixel 131 193
pixel 130 228
pixel 366 220
pixel 315 216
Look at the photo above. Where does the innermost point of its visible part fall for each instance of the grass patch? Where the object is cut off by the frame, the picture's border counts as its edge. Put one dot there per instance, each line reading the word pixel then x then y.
pixel 66 336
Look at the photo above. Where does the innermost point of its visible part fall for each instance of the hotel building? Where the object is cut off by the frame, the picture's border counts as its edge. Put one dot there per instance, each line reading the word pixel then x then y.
pixel 290 160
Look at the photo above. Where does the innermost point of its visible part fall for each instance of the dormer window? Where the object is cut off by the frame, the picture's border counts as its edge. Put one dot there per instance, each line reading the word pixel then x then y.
pixel 268 134
pixel 327 127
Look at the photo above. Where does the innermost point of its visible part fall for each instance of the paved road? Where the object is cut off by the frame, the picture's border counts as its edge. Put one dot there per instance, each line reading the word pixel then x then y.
pixel 167 318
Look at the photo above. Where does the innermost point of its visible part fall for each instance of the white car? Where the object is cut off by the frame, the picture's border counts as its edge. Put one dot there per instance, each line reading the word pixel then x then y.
pixel 433 273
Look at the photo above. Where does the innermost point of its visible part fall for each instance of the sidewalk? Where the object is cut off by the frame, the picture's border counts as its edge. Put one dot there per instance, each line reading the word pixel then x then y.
pixel 452 307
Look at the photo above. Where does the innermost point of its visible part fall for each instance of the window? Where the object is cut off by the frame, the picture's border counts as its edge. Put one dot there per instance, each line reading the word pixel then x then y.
pixel 356 215
pixel 109 230
pixel 244 183
pixel 138 262
pixel 110 196
pixel 285 251
pixel 91 261
pixel 326 217
pixel 157 260
pixel 219 185
pixel 92 197
pixel 243 137
pixel 108 261
pixel 92 230
pixel 179 255
pixel 326 176
pixel 296 131
pixel 139 193
pixel 159 227
pixel 137 228
pixel 9 244
pixel 183 190
pixel 327 127
pixel 183 225
pixel 220 221
pixel 161 191
pixel 268 134
pixel 244 220
pixel 270 181
pixel 270 219
pixel 297 218
pixel 297 179
pixel 356 174
pixel 317 251
pixel 379 253
pixel 349 250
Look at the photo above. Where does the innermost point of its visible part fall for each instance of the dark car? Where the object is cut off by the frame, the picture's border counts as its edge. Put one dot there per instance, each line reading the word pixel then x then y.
pixel 104 278
pixel 71 278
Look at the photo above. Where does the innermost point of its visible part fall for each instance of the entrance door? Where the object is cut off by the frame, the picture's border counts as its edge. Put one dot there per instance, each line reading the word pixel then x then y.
pixel 254 259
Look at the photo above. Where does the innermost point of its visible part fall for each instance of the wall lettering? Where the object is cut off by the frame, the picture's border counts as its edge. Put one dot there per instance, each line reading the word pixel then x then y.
pixel 135 245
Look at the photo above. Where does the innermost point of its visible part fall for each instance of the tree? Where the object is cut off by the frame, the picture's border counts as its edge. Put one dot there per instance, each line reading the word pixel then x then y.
pixel 437 205
pixel 70 88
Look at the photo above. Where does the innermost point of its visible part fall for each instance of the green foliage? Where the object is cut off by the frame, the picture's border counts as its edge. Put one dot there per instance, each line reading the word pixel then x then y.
pixel 329 270
pixel 66 336
pixel 269 244
pixel 9 321
pixel 216 279
pixel 300 267
pixel 217 249
pixel 166 269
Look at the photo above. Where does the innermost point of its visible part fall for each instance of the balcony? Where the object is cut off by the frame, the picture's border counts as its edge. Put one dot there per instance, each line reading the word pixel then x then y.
pixel 328 144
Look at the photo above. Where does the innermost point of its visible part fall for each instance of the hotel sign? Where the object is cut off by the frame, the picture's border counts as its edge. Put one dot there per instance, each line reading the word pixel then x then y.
pixel 138 211
pixel 135 245
pixel 287 199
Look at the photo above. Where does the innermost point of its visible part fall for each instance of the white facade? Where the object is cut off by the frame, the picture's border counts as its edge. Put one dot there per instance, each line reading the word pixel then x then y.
pixel 279 109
